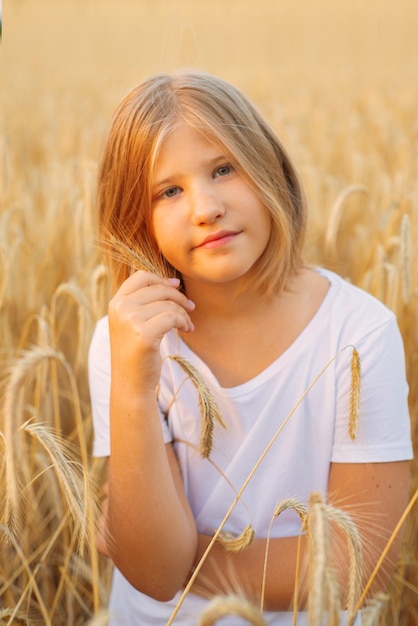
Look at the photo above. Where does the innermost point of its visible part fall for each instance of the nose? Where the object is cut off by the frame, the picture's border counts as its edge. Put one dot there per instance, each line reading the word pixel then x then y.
pixel 206 205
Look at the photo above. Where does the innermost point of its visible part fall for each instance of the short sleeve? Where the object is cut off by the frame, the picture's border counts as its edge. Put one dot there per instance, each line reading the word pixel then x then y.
pixel 99 384
pixel 383 430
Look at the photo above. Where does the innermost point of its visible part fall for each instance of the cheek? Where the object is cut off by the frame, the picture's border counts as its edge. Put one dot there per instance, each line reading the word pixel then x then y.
pixel 163 235
pixel 156 230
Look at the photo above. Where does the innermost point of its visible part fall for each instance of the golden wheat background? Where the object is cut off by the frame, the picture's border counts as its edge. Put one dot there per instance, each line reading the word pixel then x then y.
pixel 339 81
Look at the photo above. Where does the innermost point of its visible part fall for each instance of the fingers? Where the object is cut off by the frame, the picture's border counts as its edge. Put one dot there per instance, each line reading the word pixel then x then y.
pixel 145 308
pixel 141 279
pixel 149 288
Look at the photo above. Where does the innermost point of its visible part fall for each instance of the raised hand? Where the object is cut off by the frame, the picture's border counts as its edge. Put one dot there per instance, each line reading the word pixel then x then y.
pixel 143 310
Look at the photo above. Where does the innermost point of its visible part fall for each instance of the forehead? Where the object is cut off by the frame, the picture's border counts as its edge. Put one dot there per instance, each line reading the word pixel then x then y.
pixel 185 145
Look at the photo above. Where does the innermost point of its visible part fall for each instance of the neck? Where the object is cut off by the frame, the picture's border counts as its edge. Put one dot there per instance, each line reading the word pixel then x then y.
pixel 226 302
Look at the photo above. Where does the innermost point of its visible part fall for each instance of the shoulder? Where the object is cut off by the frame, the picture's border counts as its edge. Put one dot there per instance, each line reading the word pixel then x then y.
pixel 354 307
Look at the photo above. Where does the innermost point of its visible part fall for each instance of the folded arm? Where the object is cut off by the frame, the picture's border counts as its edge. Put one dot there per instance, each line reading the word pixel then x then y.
pixel 375 496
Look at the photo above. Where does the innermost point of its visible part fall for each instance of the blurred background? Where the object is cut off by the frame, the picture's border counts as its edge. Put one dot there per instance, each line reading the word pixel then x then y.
pixel 114 42
pixel 264 46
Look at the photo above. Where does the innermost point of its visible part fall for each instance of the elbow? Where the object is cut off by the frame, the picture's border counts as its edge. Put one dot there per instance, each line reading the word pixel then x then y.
pixel 160 580
pixel 162 593
pixel 162 586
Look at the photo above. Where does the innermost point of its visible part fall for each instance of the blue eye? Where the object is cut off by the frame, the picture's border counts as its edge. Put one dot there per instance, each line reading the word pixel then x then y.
pixel 224 170
pixel 170 193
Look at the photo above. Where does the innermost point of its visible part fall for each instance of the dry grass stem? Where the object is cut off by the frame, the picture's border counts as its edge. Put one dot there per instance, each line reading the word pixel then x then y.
pixel 220 472
pixel 334 219
pixel 31 586
pixel 284 505
pixel 209 410
pixel 239 606
pixel 354 394
pixel 384 553
pixel 99 280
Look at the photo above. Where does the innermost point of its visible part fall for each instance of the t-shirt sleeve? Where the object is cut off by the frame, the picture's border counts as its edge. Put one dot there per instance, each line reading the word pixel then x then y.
pixel 99 384
pixel 383 430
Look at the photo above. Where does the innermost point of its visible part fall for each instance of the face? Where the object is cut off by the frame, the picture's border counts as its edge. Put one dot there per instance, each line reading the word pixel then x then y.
pixel 208 222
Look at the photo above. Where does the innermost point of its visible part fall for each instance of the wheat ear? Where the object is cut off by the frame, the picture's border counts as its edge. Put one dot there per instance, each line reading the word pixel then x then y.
pixel 232 604
pixel 323 587
pixel 371 613
pixel 354 394
pixel 406 258
pixel 209 410
pixel 233 543
pixel 318 541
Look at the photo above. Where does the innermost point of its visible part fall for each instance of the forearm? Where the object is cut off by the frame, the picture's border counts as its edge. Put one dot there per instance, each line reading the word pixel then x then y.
pixel 152 537
pixel 243 572
pixel 375 508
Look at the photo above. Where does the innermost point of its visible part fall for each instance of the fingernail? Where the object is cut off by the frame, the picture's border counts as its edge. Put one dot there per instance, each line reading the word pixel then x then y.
pixel 192 304
pixel 174 281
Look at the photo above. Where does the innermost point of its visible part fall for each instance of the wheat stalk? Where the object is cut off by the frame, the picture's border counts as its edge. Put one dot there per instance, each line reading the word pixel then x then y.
pixel 284 505
pixel 31 585
pixel 98 284
pixel 330 242
pixel 384 553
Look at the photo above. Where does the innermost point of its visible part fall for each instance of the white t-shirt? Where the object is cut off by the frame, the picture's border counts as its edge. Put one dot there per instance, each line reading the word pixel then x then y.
pixel 304 393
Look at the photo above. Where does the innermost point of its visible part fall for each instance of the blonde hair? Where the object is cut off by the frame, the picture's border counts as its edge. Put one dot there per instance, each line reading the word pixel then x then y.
pixel 212 106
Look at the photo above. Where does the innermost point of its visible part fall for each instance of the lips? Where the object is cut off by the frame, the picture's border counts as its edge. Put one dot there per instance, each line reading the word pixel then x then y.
pixel 218 239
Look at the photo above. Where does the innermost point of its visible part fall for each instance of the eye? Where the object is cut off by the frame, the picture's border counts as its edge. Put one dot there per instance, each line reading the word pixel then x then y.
pixel 170 192
pixel 223 170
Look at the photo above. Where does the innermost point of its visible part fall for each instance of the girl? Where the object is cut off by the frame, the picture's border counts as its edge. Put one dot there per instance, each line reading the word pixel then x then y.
pixel 197 184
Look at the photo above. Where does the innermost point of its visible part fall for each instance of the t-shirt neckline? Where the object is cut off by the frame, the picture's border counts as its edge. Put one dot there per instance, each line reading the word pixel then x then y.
pixel 271 370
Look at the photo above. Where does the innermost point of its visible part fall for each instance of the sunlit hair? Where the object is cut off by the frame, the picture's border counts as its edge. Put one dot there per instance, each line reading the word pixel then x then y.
pixel 217 109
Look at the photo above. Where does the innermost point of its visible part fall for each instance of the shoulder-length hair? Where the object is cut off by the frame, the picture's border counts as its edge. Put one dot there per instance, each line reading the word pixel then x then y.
pixel 214 107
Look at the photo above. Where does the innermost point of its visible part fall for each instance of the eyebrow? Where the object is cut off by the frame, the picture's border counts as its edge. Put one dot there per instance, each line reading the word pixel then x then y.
pixel 207 162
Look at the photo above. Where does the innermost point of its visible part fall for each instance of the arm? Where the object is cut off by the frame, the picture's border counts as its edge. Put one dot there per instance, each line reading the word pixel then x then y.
pixel 150 531
pixel 374 494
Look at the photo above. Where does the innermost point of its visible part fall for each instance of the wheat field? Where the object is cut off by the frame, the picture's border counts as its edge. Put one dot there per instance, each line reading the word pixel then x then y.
pixel 337 80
